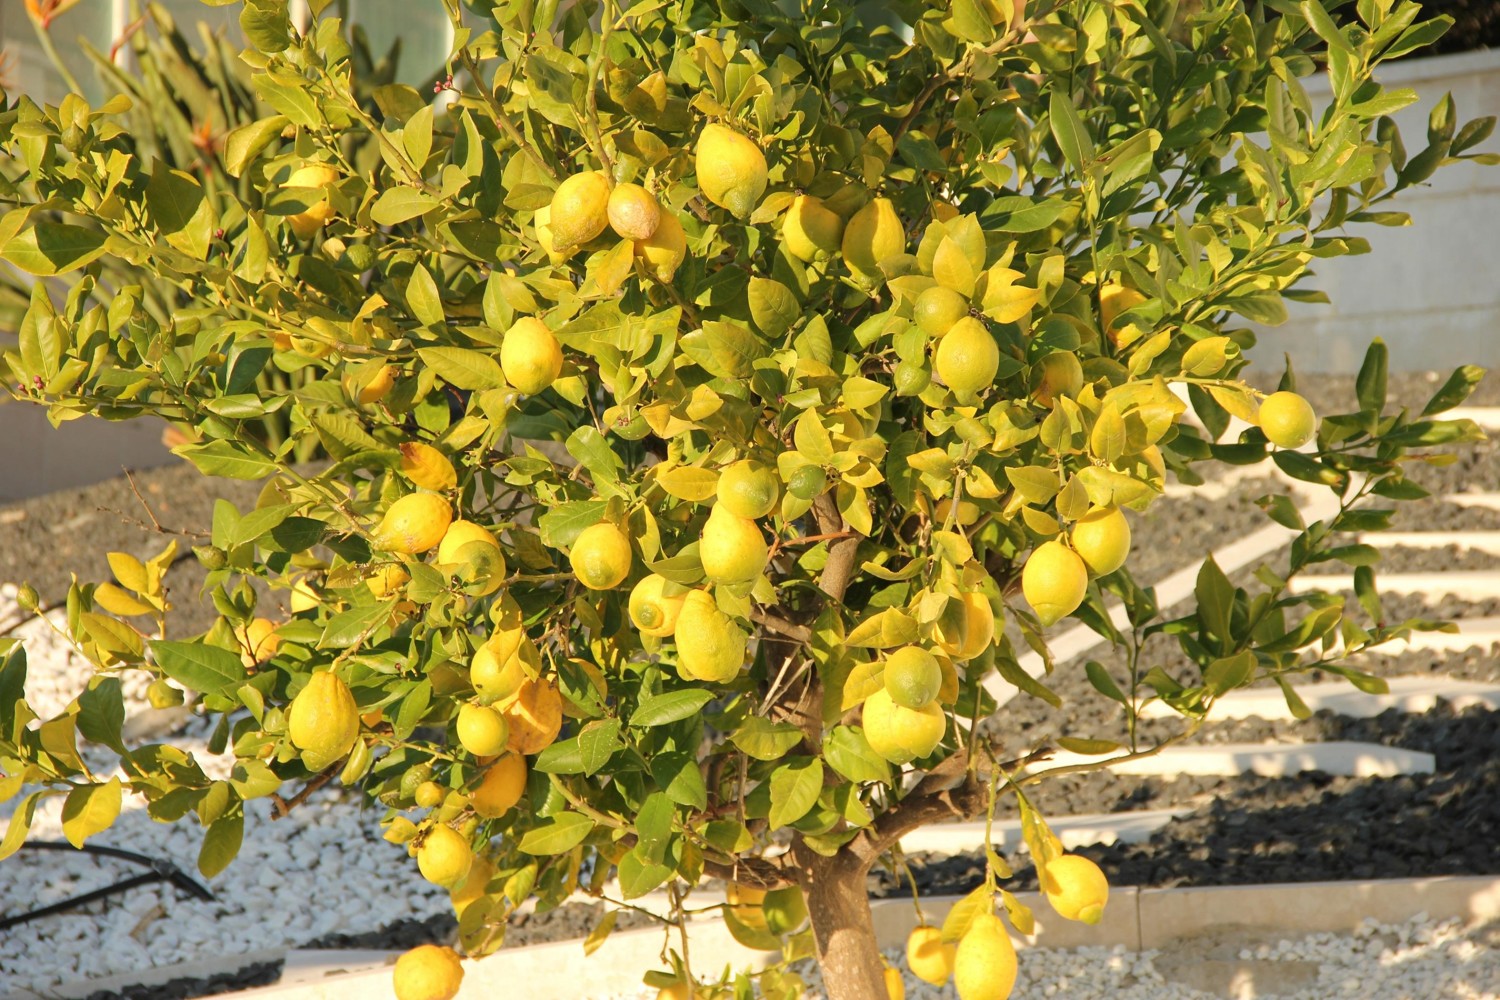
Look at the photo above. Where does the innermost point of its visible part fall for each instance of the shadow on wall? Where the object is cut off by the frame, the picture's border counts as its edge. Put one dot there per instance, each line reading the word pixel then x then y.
pixel 36 458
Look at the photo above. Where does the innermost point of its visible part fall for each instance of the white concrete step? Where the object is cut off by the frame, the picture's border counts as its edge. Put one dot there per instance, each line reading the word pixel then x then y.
pixel 1073 831
pixel 1407 694
pixel 1466 585
pixel 1269 760
pixel 311 966
pixel 1487 417
pixel 1476 541
pixel 1489 501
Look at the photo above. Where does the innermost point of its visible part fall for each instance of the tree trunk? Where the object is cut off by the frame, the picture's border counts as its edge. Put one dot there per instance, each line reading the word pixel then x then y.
pixel 842 926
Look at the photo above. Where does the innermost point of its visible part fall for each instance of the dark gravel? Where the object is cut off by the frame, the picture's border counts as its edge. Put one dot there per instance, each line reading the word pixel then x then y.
pixel 260 974
pixel 1173 526
pixel 1307 828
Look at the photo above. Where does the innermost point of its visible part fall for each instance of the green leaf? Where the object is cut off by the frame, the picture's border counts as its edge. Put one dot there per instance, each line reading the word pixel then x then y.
pixel 1069 130
pixel 463 368
pixel 597 743
pixel 344 629
pixel 181 211
pixel 1224 675
pixel 52 248
pixel 673 706
pixel 773 307
pixel 726 350
pixel 559 834
pixel 1019 214
pixel 221 843
pixel 653 825
pixel 101 713
pixel 850 754
pixel 795 788
pixel 423 298
pixel 199 667
pixel 1103 683
pixel 249 140
pixel 766 740
pixel 1454 391
pixel 679 776
pixel 639 876
pixel 565 522
pixel 227 459
pixel 90 809
pixel 399 204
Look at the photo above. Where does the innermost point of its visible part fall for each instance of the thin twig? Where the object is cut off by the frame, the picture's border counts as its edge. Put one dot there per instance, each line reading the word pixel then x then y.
pixel 280 806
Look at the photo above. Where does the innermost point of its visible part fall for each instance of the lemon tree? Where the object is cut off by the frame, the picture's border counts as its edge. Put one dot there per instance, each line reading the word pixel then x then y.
pixel 709 402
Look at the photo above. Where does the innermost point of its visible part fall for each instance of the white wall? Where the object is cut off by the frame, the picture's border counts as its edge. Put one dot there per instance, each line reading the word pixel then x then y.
pixel 1432 289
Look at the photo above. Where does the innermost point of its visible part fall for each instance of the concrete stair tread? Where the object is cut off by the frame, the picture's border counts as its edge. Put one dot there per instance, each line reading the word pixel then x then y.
pixel 1270 760
pixel 1407 694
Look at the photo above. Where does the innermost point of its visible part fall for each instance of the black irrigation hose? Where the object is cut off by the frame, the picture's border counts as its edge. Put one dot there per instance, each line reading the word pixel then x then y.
pixel 161 871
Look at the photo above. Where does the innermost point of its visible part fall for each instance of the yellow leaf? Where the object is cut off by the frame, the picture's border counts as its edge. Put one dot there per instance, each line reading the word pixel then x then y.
pixel 427 467
pixel 952 269
pixel 864 680
pixel 129 570
pixel 118 602
pixel 600 932
pixel 688 482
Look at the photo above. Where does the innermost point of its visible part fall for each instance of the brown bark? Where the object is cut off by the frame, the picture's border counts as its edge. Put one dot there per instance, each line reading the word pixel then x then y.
pixel 843 929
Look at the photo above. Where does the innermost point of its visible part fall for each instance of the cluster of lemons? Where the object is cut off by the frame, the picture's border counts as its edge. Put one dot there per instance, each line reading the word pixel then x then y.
pixel 983 963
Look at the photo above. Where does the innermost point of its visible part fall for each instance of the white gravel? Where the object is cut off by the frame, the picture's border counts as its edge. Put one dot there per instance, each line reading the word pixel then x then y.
pixel 322 869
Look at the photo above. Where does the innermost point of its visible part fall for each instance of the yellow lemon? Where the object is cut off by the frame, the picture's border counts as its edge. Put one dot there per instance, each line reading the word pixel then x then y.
pixel 600 556
pixel 811 232
pixel 928 957
pixel 473 887
pixel 542 219
pixel 677 991
pixel 967 358
pixel 1054 581
pixel 874 234
pixel 260 642
pixel 749 489
pixel 471 551
pixel 913 677
pixel 482 731
pixel 899 734
pixel 651 610
pixel 428 972
pixel 937 309
pixel 380 386
pixel 304 597
pixel 895 987
pixel 633 212
pixel 1287 420
pixel 413 524
pixel 530 355
pixel 664 250
pixel 444 856
pixel 387 580
pixel 731 170
pixel 1114 299
pixel 745 903
pixel 966 630
pixel 430 795
pixel 427 467
pixel 502 786
pixel 323 720
pixel 710 646
pixel 732 549
pixel 1058 374
pixel 312 175
pixel 1082 888
pixel 534 713
pixel 968 513
pixel 579 210
pixel 984 966
pixel 1102 540
pixel 499 665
